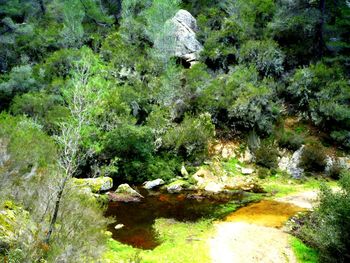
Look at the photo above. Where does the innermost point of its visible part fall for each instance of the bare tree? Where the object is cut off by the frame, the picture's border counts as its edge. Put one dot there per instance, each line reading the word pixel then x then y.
pixel 69 140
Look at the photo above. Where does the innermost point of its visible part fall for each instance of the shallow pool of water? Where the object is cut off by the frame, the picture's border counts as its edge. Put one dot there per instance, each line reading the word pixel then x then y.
pixel 138 218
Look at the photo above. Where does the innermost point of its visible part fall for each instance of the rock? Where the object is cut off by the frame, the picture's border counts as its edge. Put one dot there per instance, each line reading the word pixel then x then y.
pixel 127 189
pixel 227 153
pixel 184 172
pixel 177 186
pixel 213 187
pixel 12 219
pixel 202 177
pixel 247 157
pixel 4 156
pixel 183 31
pixel 125 193
pixel 96 184
pixel 330 162
pixel 344 162
pixel 119 226
pixel 247 170
pixel 153 184
pixel 291 164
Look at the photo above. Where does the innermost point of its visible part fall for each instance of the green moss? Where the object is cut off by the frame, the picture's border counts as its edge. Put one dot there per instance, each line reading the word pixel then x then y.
pixel 182 242
pixel 303 253
pixel 231 166
pixel 281 185
pixel 183 183
pixel 95 184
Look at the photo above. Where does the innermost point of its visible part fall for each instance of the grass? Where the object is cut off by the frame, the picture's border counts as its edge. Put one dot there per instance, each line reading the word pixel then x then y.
pixel 303 253
pixel 281 185
pixel 182 242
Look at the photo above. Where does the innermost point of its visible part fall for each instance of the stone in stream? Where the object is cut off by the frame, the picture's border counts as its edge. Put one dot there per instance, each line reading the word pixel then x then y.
pixel 125 193
pixel 153 184
pixel 95 184
pixel 177 186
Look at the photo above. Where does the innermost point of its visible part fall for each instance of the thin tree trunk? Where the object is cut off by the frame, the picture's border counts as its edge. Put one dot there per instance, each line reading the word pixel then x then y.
pixel 57 207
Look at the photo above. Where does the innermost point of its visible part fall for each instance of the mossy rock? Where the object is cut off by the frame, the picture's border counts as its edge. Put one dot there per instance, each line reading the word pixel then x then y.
pixel 177 186
pixel 95 184
pixel 9 223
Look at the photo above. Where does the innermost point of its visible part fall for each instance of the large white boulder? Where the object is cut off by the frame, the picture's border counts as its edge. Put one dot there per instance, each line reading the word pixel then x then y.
pixel 183 27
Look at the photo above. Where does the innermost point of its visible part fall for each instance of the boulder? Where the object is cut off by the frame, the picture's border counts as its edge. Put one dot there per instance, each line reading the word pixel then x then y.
pixel 248 184
pixel 125 193
pixel 213 187
pixel 290 164
pixel 207 181
pixel 344 162
pixel 119 226
pixel 184 172
pixel 247 157
pixel 183 32
pixel 153 184
pixel 247 170
pixel 95 184
pixel 177 186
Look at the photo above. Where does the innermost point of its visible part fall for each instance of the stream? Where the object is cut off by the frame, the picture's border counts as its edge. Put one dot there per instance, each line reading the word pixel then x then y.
pixel 138 218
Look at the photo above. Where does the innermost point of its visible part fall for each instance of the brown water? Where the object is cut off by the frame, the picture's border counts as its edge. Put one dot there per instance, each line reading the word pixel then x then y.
pixel 138 218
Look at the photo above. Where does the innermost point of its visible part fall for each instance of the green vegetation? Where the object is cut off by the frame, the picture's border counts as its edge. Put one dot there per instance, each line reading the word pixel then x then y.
pixel 327 228
pixel 304 253
pixel 92 88
pixel 181 242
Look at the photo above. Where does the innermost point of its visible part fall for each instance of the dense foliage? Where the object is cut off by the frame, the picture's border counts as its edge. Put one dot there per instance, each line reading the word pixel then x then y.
pixel 328 226
pixel 102 94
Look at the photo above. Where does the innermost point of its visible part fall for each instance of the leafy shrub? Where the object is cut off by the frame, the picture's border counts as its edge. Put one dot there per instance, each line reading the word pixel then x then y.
pixel 313 157
pixel 191 138
pixel 46 108
pixel 266 155
pixel 163 167
pixel 134 147
pixel 342 137
pixel 18 81
pixel 328 228
pixel 241 101
pixel 265 55
pixel 290 140
pixel 322 93
pixel 263 172
pixel 335 170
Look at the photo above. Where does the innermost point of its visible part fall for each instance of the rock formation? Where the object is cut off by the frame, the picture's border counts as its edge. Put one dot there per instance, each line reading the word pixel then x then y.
pixel 185 46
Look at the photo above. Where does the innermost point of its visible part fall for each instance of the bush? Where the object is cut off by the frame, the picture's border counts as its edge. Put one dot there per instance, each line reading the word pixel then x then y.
pixel 45 108
pixel 265 55
pixel 335 170
pixel 241 101
pixel 322 93
pixel 133 145
pixel 190 139
pixel 266 155
pixel 263 172
pixel 290 141
pixel 163 167
pixel 328 228
pixel 313 157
